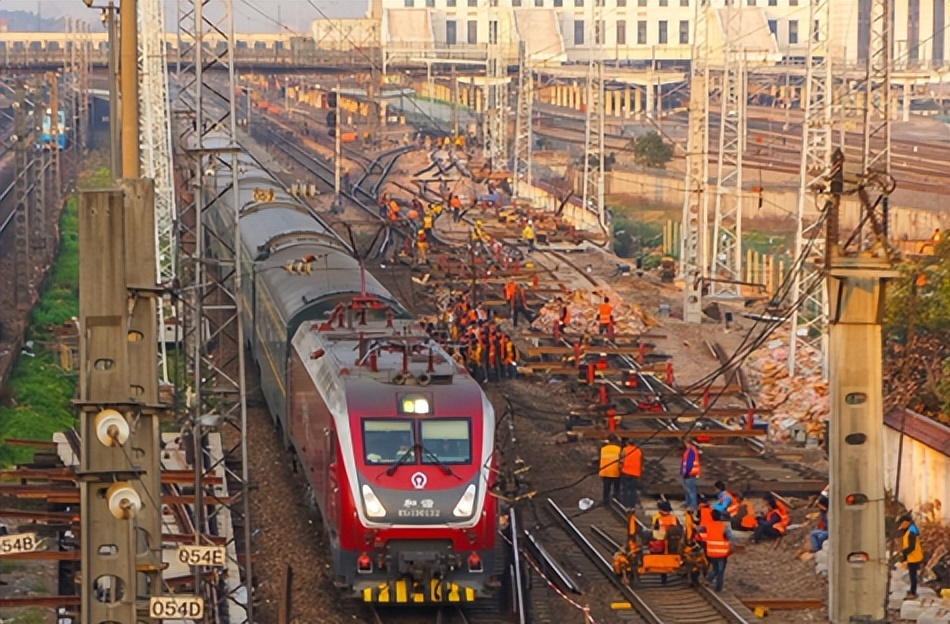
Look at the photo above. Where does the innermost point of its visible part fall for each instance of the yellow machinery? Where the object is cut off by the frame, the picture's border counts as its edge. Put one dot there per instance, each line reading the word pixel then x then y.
pixel 670 550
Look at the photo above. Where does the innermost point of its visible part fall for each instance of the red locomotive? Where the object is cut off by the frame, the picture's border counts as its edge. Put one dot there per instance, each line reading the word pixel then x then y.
pixel 395 439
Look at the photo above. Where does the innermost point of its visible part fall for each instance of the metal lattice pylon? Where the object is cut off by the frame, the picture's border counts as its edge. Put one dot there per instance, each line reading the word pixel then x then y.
pixel 877 88
pixel 593 195
pixel 725 270
pixel 810 316
pixel 496 89
pixel 155 146
pixel 214 332
pixel 523 124
pixel 693 264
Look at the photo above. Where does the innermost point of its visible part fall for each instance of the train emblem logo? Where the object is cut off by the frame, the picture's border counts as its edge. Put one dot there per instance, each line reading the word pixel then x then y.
pixel 418 480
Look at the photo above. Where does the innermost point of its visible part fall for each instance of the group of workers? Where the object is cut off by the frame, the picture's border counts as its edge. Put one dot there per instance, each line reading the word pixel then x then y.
pixel 481 346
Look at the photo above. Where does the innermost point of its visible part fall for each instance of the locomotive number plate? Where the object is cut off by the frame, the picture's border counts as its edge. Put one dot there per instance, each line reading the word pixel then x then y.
pixel 176 607
pixel 20 543
pixel 201 555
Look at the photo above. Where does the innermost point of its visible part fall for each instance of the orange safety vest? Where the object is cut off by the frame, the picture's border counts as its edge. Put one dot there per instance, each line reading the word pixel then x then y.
pixel 664 520
pixel 604 312
pixel 509 291
pixel 455 202
pixel 694 472
pixel 748 520
pixel 717 546
pixel 610 461
pixel 782 512
pixel 566 315
pixel 705 515
pixel 632 456
pixel 733 507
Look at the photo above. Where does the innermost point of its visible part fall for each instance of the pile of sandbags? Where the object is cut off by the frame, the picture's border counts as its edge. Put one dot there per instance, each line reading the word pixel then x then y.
pixel 799 404
pixel 629 318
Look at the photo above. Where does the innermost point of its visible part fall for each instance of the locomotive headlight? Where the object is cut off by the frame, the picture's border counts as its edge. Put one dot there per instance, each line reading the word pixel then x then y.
pixel 374 508
pixel 466 503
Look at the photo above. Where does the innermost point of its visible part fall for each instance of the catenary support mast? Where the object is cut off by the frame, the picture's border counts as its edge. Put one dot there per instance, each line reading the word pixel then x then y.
pixel 695 238
pixel 213 315
pixel 521 171
pixel 594 157
pixel 810 318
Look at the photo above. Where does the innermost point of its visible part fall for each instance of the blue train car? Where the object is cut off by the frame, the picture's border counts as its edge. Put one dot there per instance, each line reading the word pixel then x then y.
pixel 46 137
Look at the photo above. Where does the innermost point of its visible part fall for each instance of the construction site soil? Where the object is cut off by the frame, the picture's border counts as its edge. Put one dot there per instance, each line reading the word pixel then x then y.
pixel 291 531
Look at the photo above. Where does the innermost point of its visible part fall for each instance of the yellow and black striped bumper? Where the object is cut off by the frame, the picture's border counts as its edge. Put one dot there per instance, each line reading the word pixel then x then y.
pixel 403 592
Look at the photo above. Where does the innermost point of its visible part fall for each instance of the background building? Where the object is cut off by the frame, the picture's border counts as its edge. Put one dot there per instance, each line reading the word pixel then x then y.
pixel 644 31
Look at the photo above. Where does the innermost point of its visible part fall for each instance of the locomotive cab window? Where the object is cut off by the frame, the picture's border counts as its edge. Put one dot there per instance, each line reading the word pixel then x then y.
pixel 386 441
pixel 448 440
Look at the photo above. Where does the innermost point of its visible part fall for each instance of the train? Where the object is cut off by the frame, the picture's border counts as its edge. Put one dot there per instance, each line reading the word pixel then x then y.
pixel 395 438
pixel 46 138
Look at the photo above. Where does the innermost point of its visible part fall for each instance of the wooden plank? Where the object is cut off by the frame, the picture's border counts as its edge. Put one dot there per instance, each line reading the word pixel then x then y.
pixel 663 433
pixel 724 412
pixel 783 604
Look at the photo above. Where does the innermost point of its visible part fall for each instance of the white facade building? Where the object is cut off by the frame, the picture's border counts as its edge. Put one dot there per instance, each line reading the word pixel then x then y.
pixel 660 30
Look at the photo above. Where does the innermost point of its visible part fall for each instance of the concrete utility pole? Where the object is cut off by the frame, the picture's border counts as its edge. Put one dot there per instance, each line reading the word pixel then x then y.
pixel 521 171
pixel 810 316
pixel 119 473
pixel 129 83
pixel 210 111
pixel 693 264
pixel 858 267
pixel 856 286
pixel 594 176
pixel 725 270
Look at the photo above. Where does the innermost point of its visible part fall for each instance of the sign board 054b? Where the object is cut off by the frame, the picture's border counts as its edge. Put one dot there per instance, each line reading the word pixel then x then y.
pixel 19 543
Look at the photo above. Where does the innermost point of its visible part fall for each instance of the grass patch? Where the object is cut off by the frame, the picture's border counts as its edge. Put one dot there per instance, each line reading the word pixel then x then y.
pixel 26 616
pixel 42 390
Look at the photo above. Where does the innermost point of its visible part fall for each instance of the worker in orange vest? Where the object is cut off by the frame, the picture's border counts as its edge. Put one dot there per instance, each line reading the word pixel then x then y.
pixel 565 317
pixel 393 211
pixel 690 471
pixel 610 468
pixel 703 510
pixel 605 316
pixel 744 518
pixel 630 470
pixel 726 502
pixel 718 540
pixel 775 522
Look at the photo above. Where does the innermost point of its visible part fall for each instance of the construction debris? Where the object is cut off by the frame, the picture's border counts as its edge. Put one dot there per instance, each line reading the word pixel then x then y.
pixel 800 405
pixel 629 318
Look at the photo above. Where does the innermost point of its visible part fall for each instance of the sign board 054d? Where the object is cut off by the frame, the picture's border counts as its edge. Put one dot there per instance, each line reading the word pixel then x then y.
pixel 176 607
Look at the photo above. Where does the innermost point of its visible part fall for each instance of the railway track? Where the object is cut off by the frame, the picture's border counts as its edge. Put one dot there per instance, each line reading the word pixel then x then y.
pixel 599 533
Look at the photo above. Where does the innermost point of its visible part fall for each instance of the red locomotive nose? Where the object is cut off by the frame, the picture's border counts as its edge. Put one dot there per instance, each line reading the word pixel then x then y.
pixel 474 563
pixel 364 563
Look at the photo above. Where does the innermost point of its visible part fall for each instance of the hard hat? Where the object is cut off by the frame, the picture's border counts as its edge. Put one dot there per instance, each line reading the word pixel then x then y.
pixel 479 222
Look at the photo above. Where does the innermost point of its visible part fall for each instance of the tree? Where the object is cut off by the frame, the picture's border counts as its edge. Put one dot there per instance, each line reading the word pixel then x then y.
pixel 917 336
pixel 651 151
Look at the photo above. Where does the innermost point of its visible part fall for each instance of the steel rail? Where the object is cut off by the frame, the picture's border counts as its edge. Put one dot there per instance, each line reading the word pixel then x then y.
pixel 638 604
pixel 716 601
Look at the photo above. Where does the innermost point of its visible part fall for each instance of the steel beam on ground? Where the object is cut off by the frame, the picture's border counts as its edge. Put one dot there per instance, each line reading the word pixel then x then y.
pixel 663 433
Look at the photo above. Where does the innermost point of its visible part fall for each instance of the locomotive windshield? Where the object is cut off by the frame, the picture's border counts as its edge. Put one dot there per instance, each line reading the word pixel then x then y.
pixel 443 441
pixel 385 441
pixel 448 441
